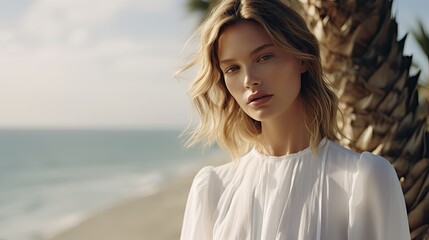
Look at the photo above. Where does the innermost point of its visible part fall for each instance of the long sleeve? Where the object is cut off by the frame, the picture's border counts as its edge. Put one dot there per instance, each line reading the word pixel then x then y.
pixel 376 203
pixel 197 222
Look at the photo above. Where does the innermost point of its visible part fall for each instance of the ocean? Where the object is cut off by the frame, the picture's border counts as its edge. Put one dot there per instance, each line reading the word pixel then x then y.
pixel 52 179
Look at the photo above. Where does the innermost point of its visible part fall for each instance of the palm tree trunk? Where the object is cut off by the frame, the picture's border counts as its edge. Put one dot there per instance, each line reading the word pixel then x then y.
pixel 378 97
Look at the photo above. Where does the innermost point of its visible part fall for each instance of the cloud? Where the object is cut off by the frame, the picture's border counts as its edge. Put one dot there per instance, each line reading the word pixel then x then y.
pixel 56 20
pixel 118 82
pixel 6 37
pixel 60 70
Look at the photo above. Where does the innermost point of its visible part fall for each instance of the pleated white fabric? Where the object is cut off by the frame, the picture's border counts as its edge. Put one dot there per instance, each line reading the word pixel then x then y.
pixel 336 194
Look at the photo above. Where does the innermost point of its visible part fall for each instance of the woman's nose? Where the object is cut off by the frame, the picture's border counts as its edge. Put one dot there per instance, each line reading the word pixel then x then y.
pixel 250 79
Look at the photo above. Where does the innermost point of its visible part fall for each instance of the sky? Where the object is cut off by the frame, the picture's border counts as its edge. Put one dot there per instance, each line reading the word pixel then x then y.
pixel 108 63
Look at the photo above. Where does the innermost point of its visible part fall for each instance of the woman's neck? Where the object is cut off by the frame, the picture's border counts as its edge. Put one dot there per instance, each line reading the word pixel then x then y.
pixel 285 134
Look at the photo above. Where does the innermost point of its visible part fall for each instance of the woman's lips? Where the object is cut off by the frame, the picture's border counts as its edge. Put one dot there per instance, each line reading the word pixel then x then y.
pixel 257 102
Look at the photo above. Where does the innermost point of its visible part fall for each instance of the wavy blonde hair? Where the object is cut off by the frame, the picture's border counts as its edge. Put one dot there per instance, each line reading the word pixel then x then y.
pixel 222 119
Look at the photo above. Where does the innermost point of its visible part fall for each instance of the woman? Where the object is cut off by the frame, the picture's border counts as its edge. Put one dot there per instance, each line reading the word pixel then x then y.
pixel 261 95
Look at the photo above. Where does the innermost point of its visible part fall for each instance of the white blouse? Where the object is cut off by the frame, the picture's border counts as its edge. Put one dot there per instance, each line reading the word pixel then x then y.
pixel 335 195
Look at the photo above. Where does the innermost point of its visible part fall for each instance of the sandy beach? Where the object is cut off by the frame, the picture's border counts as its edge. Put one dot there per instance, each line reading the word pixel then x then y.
pixel 155 217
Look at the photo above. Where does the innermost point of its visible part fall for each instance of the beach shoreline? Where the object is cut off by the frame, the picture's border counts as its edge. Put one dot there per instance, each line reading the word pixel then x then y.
pixel 155 216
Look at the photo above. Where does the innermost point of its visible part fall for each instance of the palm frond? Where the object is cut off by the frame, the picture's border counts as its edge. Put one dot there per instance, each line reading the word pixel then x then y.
pixel 422 38
pixel 202 7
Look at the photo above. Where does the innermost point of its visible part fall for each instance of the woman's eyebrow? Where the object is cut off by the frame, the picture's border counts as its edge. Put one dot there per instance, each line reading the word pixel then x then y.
pixel 256 50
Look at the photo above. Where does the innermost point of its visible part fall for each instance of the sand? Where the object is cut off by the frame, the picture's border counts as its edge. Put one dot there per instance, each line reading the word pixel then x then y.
pixel 155 217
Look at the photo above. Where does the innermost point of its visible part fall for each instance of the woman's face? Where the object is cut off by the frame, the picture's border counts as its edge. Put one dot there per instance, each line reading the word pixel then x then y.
pixel 264 79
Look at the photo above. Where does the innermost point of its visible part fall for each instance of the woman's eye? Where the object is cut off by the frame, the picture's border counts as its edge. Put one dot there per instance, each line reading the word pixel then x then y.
pixel 231 69
pixel 265 58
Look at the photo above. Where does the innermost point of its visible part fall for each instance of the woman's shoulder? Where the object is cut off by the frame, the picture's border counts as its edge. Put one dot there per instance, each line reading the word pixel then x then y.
pixel 375 166
pixel 341 151
pixel 214 175
pixel 365 161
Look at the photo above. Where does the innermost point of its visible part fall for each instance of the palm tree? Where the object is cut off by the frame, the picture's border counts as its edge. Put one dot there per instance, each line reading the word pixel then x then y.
pixel 422 38
pixel 201 6
pixel 378 98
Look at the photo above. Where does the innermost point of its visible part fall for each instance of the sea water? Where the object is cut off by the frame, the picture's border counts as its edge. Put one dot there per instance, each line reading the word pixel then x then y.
pixel 52 179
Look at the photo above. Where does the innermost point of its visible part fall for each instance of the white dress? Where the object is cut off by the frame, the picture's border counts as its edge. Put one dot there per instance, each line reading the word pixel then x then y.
pixel 335 195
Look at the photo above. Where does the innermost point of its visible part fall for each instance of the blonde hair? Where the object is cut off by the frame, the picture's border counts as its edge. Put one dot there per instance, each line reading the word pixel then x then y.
pixel 222 119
